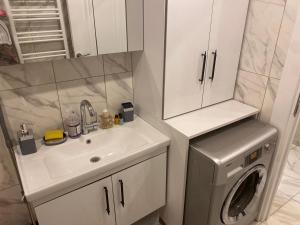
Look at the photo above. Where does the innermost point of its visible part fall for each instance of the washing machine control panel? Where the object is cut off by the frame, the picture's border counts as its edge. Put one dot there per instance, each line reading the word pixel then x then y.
pixel 253 157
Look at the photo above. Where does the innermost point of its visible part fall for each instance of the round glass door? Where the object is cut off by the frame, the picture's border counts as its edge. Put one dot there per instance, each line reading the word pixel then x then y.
pixel 244 196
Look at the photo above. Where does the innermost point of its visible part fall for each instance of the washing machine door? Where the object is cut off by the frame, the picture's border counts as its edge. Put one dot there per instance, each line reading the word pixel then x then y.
pixel 244 197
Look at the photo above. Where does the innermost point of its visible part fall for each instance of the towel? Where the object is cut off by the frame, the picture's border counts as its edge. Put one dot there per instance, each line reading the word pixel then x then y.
pixel 4 34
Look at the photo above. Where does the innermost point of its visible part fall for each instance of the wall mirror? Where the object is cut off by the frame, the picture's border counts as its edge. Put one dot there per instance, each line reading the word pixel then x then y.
pixel 39 30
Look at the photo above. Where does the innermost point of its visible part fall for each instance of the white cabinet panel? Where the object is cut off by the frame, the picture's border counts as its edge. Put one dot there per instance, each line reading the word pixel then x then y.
pixel 135 26
pixel 226 37
pixel 81 18
pixel 188 27
pixel 144 190
pixel 86 206
pixel 110 22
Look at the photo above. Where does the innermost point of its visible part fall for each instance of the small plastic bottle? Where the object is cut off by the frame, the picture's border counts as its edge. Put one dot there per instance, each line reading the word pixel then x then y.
pixel 73 125
pixel 121 119
pixel 117 119
pixel 106 120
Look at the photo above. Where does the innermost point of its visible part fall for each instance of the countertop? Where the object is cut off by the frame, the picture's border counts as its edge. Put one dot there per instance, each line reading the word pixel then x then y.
pixel 202 121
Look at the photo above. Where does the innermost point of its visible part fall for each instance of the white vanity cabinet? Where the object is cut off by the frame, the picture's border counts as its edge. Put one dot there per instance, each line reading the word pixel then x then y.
pixel 105 26
pixel 84 206
pixel 203 44
pixel 121 199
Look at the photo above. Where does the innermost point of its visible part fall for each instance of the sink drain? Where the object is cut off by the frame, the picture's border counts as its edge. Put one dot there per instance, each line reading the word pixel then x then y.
pixel 95 159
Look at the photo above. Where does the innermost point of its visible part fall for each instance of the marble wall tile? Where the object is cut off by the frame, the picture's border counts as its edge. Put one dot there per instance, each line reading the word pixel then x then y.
pixel 31 74
pixel 119 89
pixel 263 23
pixel 117 63
pixel 250 88
pixel 12 210
pixel 8 176
pixel 269 99
pixel 73 69
pixel 71 93
pixel 36 106
pixel 286 31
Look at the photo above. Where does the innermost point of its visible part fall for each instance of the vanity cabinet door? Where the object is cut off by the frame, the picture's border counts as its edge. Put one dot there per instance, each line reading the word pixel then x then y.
pixel 140 190
pixel 88 206
pixel 81 18
pixel 187 38
pixel 227 29
pixel 110 23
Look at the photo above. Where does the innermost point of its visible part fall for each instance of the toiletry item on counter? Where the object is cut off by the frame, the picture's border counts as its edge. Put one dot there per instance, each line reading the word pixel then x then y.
pixel 127 111
pixel 56 141
pixel 117 120
pixel 73 125
pixel 121 119
pixel 26 140
pixel 106 120
pixel 54 137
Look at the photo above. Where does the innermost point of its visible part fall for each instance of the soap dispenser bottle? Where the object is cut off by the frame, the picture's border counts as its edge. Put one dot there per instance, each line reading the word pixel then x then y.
pixel 73 125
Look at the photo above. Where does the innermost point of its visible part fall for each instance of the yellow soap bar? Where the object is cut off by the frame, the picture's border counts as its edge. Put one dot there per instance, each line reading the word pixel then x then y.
pixel 54 134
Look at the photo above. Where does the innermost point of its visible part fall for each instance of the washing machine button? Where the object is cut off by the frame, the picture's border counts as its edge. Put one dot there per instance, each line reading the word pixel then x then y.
pixel 267 147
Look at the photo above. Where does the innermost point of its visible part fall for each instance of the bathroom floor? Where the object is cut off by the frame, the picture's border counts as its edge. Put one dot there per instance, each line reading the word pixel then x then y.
pixel 286 205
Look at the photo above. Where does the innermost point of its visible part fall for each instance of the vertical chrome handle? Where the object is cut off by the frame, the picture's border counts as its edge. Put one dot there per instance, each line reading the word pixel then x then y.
pixel 122 193
pixel 204 55
pixel 107 200
pixel 297 106
pixel 214 65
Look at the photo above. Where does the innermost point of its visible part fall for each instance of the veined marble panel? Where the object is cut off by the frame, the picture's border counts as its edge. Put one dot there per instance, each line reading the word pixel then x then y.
pixel 250 88
pixel 289 214
pixel 117 63
pixel 286 31
pixel 269 99
pixel 262 28
pixel 12 210
pixel 119 90
pixel 18 76
pixel 8 176
pixel 83 67
pixel 71 93
pixel 38 107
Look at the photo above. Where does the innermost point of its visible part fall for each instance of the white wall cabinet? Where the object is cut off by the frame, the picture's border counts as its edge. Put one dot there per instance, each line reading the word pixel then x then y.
pixel 121 199
pixel 203 44
pixel 105 26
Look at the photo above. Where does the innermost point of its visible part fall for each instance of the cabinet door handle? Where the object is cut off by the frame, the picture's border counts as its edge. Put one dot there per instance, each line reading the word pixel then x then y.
pixel 107 200
pixel 122 193
pixel 214 65
pixel 204 55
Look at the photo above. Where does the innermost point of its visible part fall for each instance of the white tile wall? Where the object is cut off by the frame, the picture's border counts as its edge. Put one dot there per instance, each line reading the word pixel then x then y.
pixel 43 94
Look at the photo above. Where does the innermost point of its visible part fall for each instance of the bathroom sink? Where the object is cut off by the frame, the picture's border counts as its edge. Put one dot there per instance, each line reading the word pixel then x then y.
pixel 77 162
pixel 91 150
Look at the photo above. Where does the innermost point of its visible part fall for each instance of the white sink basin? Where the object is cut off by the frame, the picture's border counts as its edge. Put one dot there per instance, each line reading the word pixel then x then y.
pixel 55 169
pixel 91 150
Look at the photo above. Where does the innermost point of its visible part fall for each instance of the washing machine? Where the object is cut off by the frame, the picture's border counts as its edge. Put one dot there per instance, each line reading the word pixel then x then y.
pixel 227 173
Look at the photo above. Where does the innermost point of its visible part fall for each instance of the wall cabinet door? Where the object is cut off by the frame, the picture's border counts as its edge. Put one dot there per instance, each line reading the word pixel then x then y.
pixel 87 206
pixel 187 37
pixel 140 190
pixel 110 23
pixel 227 30
pixel 83 37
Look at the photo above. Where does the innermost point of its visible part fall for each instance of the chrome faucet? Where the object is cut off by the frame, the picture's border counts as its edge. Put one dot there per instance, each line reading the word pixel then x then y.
pixel 93 124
